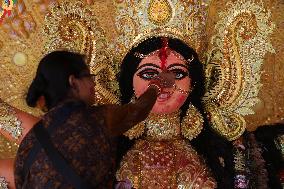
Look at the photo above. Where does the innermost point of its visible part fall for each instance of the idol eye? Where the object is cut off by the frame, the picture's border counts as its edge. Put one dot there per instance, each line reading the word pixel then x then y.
pixel 179 73
pixel 148 74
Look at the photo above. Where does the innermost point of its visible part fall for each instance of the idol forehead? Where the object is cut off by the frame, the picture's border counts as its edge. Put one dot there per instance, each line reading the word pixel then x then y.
pixel 159 67
pixel 157 52
pixel 157 58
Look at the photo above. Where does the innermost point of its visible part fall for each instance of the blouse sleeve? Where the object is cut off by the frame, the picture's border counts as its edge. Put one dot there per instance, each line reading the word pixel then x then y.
pixel 119 119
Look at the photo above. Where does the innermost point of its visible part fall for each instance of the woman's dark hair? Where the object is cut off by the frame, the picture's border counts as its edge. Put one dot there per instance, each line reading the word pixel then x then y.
pixel 210 145
pixel 52 77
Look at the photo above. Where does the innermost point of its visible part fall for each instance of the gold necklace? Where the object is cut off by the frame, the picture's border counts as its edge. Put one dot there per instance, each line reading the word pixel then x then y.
pixel 162 126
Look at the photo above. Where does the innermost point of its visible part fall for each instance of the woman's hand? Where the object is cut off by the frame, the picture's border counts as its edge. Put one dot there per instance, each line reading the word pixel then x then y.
pixel 167 79
pixel 163 80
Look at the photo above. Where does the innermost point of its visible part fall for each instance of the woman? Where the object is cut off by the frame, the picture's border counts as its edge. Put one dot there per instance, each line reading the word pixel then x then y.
pixel 162 157
pixel 82 137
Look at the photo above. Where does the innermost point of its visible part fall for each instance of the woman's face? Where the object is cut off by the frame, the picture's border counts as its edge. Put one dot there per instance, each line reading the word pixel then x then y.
pixel 170 99
pixel 86 87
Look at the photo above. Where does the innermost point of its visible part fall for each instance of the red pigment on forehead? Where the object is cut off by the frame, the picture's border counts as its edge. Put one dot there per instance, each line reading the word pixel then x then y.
pixel 163 53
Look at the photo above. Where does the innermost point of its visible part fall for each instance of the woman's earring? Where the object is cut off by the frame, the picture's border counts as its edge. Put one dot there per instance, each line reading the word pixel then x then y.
pixel 192 123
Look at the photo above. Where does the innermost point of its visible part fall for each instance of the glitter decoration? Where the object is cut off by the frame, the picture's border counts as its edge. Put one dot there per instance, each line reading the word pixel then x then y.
pixel 164 165
pixel 5 10
pixel 159 11
pixel 9 121
pixel 3 183
pixel 138 20
pixel 239 63
pixel 244 27
pixel 20 59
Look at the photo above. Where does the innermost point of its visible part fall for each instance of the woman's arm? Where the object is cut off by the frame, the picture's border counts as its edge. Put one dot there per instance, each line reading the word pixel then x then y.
pixel 119 119
pixel 14 123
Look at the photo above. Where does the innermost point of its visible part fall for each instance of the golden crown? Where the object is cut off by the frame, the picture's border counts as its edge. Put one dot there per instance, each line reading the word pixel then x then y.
pixel 138 20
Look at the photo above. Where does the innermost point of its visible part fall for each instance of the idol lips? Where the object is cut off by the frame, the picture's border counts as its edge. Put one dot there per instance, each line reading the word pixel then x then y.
pixel 164 96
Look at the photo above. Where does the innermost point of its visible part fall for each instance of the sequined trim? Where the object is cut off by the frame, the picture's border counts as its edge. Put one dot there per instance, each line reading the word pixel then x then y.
pixel 3 183
pixel 164 164
pixel 9 121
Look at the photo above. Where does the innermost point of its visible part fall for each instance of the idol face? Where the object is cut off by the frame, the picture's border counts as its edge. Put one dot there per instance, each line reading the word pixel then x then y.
pixel 170 100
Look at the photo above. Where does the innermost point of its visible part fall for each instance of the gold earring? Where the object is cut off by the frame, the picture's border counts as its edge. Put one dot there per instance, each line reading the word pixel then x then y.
pixel 192 123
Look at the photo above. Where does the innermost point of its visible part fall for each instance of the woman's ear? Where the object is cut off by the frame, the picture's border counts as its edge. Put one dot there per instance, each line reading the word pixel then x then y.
pixel 73 82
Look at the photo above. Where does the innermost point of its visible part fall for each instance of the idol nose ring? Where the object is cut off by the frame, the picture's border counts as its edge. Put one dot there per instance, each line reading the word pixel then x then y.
pixel 182 91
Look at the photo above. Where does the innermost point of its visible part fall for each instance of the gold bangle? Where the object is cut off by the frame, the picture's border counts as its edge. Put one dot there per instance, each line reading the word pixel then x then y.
pixel 9 121
pixel 3 183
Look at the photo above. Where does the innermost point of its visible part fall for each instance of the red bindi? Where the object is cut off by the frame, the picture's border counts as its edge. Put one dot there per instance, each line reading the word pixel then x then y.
pixel 163 53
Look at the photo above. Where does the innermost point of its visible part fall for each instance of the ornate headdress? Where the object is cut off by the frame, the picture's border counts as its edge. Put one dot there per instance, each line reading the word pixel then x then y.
pixel 139 20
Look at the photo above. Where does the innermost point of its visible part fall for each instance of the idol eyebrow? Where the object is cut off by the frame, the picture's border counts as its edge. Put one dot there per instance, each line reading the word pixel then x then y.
pixel 149 64
pixel 156 66
pixel 177 64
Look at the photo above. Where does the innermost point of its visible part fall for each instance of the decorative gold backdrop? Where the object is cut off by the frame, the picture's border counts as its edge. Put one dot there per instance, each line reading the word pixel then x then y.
pixel 25 38
pixel 270 108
